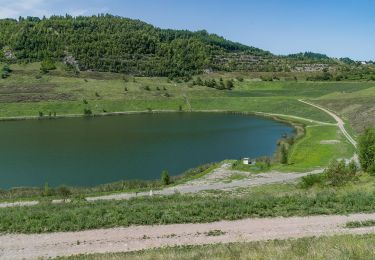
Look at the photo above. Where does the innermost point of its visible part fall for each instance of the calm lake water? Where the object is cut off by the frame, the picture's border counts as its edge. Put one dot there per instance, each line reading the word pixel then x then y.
pixel 91 151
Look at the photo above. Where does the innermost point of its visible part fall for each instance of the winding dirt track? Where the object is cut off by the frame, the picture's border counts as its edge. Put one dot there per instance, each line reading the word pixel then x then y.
pixel 340 122
pixel 217 180
pixel 146 237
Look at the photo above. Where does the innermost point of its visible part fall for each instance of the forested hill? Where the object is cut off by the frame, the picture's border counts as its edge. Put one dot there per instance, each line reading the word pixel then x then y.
pixel 111 43
pixel 116 44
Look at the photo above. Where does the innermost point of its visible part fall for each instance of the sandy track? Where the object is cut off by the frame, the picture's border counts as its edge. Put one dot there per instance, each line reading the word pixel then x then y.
pixel 145 237
pixel 215 180
pixel 340 122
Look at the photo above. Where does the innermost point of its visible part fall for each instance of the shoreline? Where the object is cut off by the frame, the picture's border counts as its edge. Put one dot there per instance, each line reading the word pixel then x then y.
pixel 134 112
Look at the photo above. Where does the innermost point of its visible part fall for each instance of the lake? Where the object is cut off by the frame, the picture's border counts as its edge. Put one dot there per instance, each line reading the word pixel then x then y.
pixel 92 151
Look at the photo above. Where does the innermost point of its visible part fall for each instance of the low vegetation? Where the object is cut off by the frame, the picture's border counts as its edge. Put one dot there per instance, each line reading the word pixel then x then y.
pixel 263 201
pixel 336 174
pixel 367 150
pixel 358 224
pixel 5 71
pixel 334 247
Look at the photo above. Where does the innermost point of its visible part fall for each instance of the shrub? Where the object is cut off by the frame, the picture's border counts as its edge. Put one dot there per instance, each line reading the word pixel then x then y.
pixel 47 65
pixel 367 150
pixel 165 177
pixel 338 172
pixel 64 191
pixel 198 82
pixel 311 180
pixel 46 190
pixel 240 79
pixel 284 154
pixel 87 112
pixel 229 84
pixel 5 72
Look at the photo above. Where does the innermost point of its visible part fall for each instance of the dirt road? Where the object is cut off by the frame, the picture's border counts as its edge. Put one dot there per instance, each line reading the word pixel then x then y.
pixel 219 179
pixel 340 122
pixel 145 237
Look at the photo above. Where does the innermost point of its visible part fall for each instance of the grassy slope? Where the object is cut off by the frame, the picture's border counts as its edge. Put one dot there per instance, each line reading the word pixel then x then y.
pixel 335 247
pixel 356 107
pixel 312 152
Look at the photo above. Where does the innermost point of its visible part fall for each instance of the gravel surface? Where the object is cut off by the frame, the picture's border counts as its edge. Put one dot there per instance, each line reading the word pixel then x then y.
pixel 145 237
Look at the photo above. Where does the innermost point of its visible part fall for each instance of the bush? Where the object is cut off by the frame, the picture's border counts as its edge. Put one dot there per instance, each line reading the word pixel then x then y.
pixel 47 65
pixel 367 150
pixel 64 191
pixel 338 172
pixel 284 154
pixel 46 190
pixel 311 180
pixel 87 112
pixel 239 79
pixel 5 72
pixel 165 177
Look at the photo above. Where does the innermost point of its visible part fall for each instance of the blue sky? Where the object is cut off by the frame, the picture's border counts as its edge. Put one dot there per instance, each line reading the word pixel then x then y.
pixel 338 28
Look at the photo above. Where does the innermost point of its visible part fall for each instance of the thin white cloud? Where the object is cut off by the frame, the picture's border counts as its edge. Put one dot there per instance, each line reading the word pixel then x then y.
pixel 39 8
pixel 16 8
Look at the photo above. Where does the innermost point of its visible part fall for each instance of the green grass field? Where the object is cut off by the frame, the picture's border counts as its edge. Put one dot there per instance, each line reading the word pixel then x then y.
pixel 25 93
pixel 320 145
pixel 335 247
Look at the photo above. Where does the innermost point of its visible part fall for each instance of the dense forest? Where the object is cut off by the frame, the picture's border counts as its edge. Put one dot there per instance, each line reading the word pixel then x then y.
pixel 110 43
pixel 116 44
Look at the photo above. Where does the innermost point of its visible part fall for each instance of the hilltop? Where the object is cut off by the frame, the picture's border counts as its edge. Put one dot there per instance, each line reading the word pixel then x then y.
pixel 109 43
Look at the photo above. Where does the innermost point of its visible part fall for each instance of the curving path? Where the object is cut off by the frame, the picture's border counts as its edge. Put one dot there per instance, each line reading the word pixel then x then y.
pixel 218 179
pixel 36 246
pixel 340 122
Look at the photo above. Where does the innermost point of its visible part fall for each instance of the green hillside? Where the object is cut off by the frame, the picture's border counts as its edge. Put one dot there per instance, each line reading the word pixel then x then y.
pixel 109 43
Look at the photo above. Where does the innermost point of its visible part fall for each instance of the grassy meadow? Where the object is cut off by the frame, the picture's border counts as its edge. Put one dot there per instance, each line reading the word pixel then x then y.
pixel 26 93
